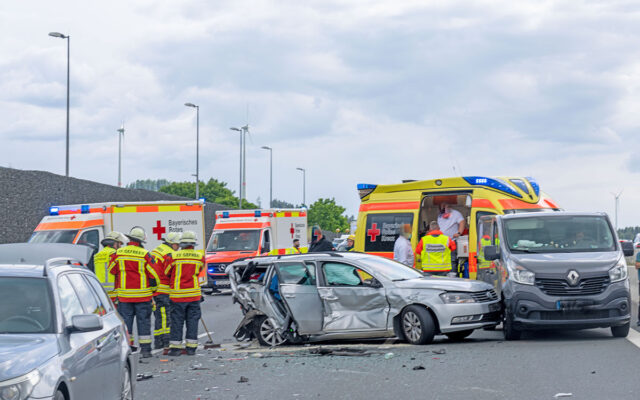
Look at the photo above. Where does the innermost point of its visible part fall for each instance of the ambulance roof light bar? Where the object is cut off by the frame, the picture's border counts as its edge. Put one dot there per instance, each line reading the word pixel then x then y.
pixel 54 210
pixel 491 183
pixel 534 185
pixel 364 189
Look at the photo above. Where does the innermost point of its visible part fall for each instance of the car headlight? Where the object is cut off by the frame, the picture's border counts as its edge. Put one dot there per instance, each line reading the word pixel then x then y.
pixel 619 272
pixel 520 274
pixel 19 388
pixel 456 298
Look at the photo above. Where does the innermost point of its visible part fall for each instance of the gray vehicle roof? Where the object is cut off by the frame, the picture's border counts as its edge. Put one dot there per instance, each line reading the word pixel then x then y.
pixel 39 253
pixel 555 214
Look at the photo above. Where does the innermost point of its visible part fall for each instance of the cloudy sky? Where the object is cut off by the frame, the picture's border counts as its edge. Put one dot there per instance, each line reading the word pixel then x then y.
pixel 353 91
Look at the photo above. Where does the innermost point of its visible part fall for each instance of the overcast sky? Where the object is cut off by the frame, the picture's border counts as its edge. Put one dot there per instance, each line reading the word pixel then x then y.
pixel 359 91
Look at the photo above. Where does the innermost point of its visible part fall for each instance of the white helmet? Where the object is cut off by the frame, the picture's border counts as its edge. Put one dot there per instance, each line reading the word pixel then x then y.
pixel 173 237
pixel 137 233
pixel 188 238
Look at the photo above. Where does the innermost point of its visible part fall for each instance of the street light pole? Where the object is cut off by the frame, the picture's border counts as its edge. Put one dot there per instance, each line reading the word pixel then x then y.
pixel 61 36
pixel 120 136
pixel 270 174
pixel 304 185
pixel 197 147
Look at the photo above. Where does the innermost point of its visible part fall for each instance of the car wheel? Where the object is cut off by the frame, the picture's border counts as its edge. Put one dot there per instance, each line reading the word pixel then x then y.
pixel 267 333
pixel 417 325
pixel 508 329
pixel 59 396
pixel 620 331
pixel 127 388
pixel 459 335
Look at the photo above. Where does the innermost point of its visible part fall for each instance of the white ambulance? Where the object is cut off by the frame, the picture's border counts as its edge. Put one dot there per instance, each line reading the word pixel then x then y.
pixel 249 233
pixel 89 223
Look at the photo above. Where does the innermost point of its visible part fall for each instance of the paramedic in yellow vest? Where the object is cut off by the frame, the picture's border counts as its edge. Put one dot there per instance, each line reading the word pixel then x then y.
pixel 112 242
pixel 433 252
pixel 296 249
pixel 161 302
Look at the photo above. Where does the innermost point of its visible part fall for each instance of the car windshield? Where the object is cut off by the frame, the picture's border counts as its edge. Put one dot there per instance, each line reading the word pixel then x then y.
pixel 65 236
pixel 567 234
pixel 390 269
pixel 26 305
pixel 234 240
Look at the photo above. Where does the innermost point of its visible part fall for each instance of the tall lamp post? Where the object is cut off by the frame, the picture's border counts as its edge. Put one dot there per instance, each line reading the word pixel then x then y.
pixel 243 163
pixel 197 147
pixel 61 36
pixel 304 185
pixel 120 136
pixel 270 174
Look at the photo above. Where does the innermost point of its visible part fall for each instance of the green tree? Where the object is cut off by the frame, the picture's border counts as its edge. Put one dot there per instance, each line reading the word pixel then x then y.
pixel 148 184
pixel 327 214
pixel 275 203
pixel 213 190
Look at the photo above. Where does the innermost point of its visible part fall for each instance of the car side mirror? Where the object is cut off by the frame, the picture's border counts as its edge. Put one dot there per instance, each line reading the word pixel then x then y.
pixel 627 248
pixel 491 253
pixel 374 283
pixel 86 323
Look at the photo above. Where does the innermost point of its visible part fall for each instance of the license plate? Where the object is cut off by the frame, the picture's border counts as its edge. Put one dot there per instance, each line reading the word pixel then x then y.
pixel 221 282
pixel 573 304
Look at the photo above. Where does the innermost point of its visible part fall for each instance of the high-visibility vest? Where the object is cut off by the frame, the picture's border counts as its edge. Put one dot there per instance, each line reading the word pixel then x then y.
pixel 436 255
pixel 183 268
pixel 101 268
pixel 135 277
pixel 159 255
pixel 299 250
pixel 482 262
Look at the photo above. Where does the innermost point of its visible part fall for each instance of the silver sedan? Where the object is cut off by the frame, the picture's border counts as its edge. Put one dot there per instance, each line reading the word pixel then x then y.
pixel 322 296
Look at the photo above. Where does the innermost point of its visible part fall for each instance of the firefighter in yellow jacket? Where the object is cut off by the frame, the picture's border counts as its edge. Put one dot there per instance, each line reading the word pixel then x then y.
pixel 183 268
pixel 112 242
pixel 161 302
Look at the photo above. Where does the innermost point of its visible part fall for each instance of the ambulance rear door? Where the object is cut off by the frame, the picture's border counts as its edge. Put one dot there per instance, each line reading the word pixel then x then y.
pixel 288 228
pixel 159 219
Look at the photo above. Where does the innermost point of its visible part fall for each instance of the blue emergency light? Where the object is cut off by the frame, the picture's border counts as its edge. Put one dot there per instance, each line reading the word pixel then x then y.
pixel 225 214
pixel 492 183
pixel 202 199
pixel 84 209
pixel 54 210
pixel 534 185
pixel 257 214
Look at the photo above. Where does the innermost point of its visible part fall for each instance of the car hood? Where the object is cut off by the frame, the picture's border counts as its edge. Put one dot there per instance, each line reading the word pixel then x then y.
pixel 21 354
pixel 445 284
pixel 561 263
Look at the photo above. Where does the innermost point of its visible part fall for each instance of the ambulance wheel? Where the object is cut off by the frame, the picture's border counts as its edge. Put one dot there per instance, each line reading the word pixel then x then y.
pixel 508 329
pixel 459 335
pixel 417 325
pixel 267 333
pixel 620 331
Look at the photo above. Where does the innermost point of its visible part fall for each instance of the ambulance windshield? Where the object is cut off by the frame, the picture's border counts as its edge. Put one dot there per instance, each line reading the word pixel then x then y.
pixel 65 236
pixel 234 240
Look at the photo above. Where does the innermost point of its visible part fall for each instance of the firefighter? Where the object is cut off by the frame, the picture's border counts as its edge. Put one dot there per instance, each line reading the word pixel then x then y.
pixel 433 252
pixel 183 267
pixel 112 242
pixel 133 269
pixel 161 300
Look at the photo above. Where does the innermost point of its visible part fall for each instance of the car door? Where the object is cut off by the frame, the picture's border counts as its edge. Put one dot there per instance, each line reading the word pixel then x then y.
pixel 81 360
pixel 109 344
pixel 299 291
pixel 353 299
pixel 486 236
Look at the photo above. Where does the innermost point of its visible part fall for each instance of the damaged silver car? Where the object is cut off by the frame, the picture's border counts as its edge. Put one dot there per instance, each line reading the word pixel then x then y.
pixel 323 296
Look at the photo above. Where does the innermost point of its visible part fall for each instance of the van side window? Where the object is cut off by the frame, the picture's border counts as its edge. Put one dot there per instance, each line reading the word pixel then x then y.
pixel 382 230
pixel 91 237
pixel 266 242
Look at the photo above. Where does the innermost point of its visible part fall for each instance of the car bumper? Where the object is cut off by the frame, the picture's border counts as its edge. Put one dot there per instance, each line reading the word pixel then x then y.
pixel 533 309
pixel 455 317
pixel 217 281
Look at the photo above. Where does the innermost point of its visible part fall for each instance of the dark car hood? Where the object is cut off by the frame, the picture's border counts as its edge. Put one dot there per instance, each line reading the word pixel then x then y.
pixel 442 283
pixel 20 354
pixel 561 263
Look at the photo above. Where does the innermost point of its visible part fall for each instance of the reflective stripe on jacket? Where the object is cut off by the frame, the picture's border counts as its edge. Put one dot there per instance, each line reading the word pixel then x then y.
pixel 183 267
pixel 135 276
pixel 159 256
pixel 101 268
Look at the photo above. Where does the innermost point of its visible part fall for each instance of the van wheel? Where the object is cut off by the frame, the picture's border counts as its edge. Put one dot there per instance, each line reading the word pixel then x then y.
pixel 620 331
pixel 459 335
pixel 509 331
pixel 59 396
pixel 417 325
pixel 267 333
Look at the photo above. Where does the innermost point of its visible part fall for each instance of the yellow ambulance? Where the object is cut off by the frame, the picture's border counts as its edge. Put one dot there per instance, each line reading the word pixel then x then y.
pixel 384 209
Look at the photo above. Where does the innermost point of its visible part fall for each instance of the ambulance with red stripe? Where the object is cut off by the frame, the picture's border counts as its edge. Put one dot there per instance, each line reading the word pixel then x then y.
pixel 384 209
pixel 249 233
pixel 88 224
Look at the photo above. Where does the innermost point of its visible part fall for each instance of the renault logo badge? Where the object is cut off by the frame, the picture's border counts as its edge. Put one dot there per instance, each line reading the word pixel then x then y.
pixel 573 277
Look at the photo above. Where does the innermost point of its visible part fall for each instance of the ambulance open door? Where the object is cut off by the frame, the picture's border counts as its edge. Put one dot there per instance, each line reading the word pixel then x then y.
pixel 486 236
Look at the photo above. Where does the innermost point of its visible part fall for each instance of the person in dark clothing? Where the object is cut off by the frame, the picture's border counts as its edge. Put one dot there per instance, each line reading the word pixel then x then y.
pixel 318 242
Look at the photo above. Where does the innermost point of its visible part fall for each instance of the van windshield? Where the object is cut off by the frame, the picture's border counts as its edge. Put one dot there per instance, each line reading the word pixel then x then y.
pixel 64 236
pixel 570 234
pixel 234 240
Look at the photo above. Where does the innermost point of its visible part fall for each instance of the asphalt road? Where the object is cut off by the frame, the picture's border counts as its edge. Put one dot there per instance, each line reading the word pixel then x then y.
pixel 544 365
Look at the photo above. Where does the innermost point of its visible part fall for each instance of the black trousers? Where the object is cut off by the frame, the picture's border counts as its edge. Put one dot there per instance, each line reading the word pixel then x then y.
pixel 188 314
pixel 142 314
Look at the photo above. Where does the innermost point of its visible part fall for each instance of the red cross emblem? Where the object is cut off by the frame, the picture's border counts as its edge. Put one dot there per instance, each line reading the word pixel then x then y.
pixel 373 232
pixel 292 231
pixel 159 230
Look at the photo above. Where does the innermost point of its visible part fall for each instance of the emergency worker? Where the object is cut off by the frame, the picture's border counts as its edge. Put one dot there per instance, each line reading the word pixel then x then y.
pixel 433 252
pixel 453 225
pixel 133 269
pixel 161 300
pixel 638 268
pixel 402 250
pixel 112 242
pixel 348 244
pixel 319 243
pixel 183 267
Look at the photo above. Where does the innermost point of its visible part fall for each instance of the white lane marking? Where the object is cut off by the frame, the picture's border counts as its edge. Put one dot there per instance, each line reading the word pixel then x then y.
pixel 634 337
